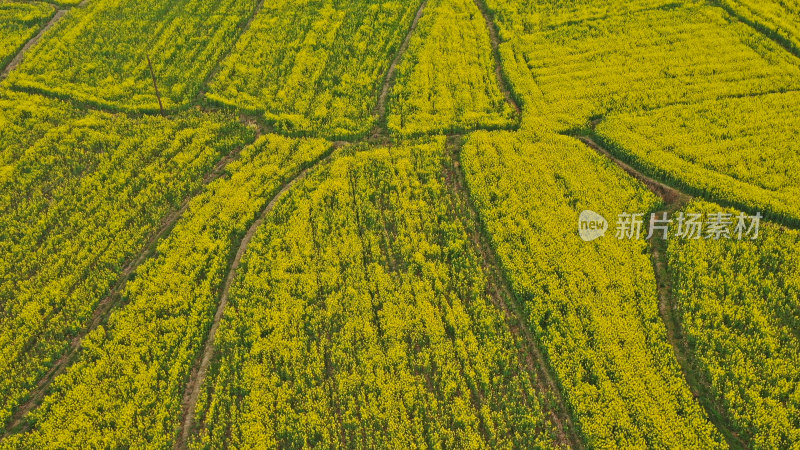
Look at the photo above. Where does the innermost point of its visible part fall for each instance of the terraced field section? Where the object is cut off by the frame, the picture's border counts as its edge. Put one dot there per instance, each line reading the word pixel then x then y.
pixel 314 67
pixel 738 302
pixel 446 81
pixel 98 54
pixel 125 389
pixel 362 318
pixel 81 194
pixel 18 23
pixel 593 306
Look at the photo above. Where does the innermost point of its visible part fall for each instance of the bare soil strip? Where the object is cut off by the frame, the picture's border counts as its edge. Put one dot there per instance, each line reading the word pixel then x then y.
pixel 198 374
pixel 498 66
pixel 499 290
pixel 103 309
pixel 60 12
pixel 667 304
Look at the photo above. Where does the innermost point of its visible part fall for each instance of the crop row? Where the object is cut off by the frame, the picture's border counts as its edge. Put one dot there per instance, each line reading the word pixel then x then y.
pixel 314 67
pixel 99 54
pixel 776 18
pixel 739 151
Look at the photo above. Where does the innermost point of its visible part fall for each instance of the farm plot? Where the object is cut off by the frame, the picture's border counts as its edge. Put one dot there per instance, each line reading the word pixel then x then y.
pixel 98 54
pixel 18 23
pixel 592 305
pixel 80 192
pixel 739 304
pixel 362 318
pixel 315 67
pixel 125 389
pixel 653 57
pixel 446 81
pixel 739 151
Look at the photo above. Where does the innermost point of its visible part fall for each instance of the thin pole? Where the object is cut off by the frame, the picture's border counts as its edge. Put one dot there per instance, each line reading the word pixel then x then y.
pixel 155 85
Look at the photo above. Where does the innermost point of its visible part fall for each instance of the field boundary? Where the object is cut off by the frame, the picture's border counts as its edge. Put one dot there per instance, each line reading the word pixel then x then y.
pixel 674 200
pixel 617 153
pixel 16 423
pixel 202 362
pixel 502 296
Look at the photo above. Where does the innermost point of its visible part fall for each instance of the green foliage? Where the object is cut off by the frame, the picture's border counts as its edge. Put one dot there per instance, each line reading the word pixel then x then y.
pixel 126 388
pixel 314 66
pixel 739 151
pixel 18 23
pixel 738 303
pixel 361 319
pixel 446 81
pixel 592 305
pixel 98 54
pixel 75 204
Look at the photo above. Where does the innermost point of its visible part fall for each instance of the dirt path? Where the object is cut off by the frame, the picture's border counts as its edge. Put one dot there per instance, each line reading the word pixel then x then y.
pixel 498 65
pixel 103 309
pixel 60 12
pixel 388 82
pixel 503 298
pixel 198 374
pixel 667 305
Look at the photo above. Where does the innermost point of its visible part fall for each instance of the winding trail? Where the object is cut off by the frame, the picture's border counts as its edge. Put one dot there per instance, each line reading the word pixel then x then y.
pixel 104 307
pixel 498 62
pixel 674 200
pixel 200 368
pixel 391 74
pixel 501 294
pixel 17 60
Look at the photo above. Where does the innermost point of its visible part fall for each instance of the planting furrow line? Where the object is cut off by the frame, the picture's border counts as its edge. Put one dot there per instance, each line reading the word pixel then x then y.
pixel 215 70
